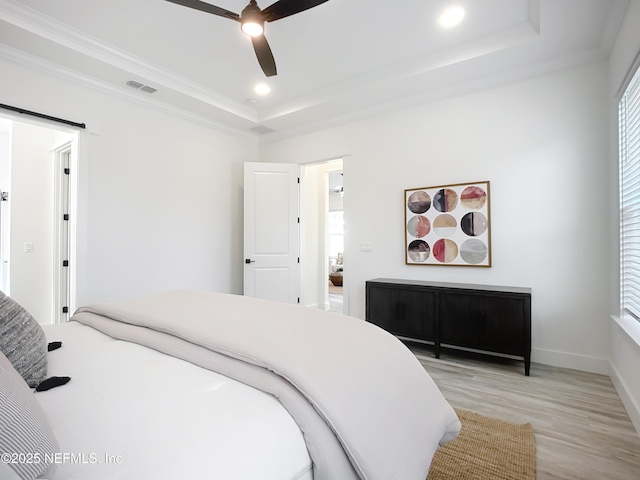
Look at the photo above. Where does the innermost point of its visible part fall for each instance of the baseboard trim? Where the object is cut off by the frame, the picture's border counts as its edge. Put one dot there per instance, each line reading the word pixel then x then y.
pixel 571 360
pixel 316 305
pixel 633 409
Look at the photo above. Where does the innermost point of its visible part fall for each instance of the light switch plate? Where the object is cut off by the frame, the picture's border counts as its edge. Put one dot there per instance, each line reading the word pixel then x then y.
pixel 366 247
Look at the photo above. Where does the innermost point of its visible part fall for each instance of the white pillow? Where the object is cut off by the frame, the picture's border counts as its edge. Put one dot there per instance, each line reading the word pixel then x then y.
pixel 26 438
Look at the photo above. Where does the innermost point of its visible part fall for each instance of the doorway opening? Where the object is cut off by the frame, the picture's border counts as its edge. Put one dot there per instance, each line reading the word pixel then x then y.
pixel 37 168
pixel 335 240
pixel 322 234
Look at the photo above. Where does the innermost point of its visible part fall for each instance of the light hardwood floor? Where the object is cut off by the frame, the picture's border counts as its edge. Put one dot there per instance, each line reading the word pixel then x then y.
pixel 582 429
pixel 335 298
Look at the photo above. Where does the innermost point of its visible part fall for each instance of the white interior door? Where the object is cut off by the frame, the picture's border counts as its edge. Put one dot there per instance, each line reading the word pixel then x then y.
pixel 271 231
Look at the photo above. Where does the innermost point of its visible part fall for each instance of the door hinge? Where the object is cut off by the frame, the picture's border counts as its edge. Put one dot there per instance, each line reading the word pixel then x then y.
pixel 65 309
pixel 65 263
pixel 65 216
pixel 298 179
pixel 298 219
pixel 298 299
pixel 298 259
pixel 66 171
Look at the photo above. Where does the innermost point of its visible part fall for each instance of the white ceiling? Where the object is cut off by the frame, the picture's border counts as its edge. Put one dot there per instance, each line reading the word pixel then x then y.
pixel 341 60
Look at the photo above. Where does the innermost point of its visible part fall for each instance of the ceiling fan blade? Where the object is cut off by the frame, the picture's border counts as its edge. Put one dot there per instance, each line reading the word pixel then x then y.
pixel 207 7
pixel 265 57
pixel 284 8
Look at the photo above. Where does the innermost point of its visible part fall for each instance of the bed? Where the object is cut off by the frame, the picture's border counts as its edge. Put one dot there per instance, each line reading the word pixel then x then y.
pixel 189 384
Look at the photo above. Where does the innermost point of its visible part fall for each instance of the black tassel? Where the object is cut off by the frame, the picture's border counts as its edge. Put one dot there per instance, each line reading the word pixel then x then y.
pixel 52 382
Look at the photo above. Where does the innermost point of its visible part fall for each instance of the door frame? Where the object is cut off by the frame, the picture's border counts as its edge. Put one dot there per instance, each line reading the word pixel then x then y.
pixel 61 231
pixel 346 159
pixel 77 208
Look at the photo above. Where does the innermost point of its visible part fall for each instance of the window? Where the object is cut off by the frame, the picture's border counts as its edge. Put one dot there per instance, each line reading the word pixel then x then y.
pixel 629 127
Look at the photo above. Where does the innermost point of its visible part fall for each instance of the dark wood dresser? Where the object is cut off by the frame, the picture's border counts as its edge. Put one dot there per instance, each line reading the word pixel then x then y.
pixel 484 319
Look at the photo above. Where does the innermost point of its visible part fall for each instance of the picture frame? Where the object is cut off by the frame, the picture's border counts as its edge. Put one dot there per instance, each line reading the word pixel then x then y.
pixel 448 225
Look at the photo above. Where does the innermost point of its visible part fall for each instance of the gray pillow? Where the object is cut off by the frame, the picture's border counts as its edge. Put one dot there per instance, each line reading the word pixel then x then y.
pixel 22 341
pixel 27 444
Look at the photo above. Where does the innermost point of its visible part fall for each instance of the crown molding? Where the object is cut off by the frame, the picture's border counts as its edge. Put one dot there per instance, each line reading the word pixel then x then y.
pixel 529 30
pixel 455 90
pixel 46 27
pixel 37 63
pixel 498 41
pixel 53 30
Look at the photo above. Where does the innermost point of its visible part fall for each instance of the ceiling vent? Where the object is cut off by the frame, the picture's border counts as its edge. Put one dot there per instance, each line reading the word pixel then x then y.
pixel 140 86
pixel 262 129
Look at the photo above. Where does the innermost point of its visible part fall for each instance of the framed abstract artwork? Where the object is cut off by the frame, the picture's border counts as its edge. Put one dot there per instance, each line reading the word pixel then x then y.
pixel 448 225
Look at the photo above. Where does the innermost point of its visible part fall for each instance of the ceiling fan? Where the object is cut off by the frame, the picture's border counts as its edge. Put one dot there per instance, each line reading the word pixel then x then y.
pixel 252 22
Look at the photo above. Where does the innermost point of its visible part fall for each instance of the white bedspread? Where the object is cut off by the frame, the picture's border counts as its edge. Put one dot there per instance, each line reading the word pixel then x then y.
pixel 366 406
pixel 132 413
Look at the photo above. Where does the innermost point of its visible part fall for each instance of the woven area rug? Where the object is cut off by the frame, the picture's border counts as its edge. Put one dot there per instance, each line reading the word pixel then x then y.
pixel 486 449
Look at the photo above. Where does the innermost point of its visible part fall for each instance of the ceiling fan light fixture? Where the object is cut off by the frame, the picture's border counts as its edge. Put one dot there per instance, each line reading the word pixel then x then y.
pixel 252 29
pixel 251 20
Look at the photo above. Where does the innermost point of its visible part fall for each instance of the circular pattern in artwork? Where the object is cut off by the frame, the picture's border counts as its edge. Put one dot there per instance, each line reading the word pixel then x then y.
pixel 445 225
pixel 445 200
pixel 473 251
pixel 418 250
pixel 473 197
pixel 419 226
pixel 419 202
pixel 445 250
pixel 474 224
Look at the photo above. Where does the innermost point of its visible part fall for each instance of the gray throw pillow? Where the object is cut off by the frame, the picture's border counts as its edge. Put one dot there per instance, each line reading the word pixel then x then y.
pixel 27 443
pixel 22 341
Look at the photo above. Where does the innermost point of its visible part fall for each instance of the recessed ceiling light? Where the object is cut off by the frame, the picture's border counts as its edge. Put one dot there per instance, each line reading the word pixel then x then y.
pixel 451 17
pixel 262 89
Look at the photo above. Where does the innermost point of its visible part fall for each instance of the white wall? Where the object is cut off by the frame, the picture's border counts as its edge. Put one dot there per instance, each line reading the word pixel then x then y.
pixel 625 333
pixel 31 202
pixel 160 197
pixel 543 144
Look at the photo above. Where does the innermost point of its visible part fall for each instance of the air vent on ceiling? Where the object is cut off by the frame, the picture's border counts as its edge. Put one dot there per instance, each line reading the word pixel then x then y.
pixel 140 86
pixel 262 129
